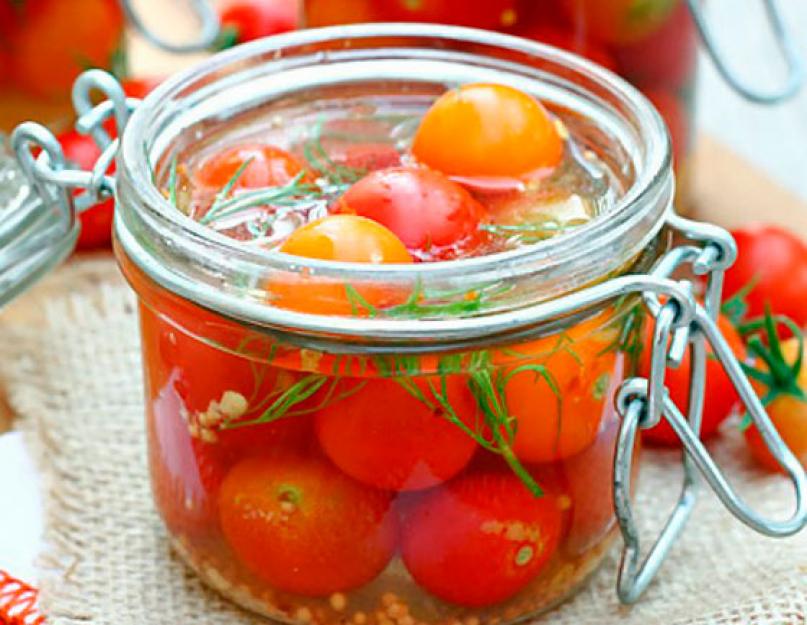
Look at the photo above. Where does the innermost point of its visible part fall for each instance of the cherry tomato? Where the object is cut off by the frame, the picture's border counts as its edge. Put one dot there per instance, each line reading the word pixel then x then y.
pixel 721 397
pixel 667 58
pixel 247 20
pixel 185 476
pixel 590 487
pixel 96 221
pixel 491 14
pixel 677 120
pixel 559 401
pixel 60 39
pixel 618 21
pixel 434 217
pixel 330 12
pixel 304 527
pixel 480 538
pixel 379 435
pixel 774 262
pixel 487 130
pixel 343 238
pixel 140 87
pixel 788 414
pixel 568 40
pixel 269 166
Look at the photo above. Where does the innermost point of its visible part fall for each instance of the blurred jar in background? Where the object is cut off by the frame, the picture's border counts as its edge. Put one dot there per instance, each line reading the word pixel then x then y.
pixel 44 46
pixel 652 43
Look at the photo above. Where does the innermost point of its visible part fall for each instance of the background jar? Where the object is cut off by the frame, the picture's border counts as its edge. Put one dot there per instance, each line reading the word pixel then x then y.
pixel 205 298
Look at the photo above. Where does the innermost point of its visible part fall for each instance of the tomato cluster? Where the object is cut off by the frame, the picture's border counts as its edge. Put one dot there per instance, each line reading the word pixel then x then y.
pixel 652 43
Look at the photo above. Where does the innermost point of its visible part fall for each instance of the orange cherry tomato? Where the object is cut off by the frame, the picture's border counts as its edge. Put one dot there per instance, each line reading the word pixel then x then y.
pixel 788 414
pixel 269 166
pixel 721 397
pixel 434 217
pixel 490 14
pixel 304 527
pixel 618 22
pixel 342 238
pixel 386 437
pixel 57 40
pixel 559 400
pixel 480 538
pixel 487 130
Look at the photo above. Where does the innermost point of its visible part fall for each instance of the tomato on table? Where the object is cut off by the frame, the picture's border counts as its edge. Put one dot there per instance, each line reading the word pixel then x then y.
pixel 771 269
pixel 247 20
pixel 567 39
pixel 96 221
pixel 721 397
pixel 480 538
pixel 619 22
pixel 781 382
pixel 57 40
pixel 342 238
pixel 487 130
pixel 304 527
pixel 263 166
pixel 140 86
pixel 490 14
pixel 386 437
pixel 330 12
pixel 558 401
pixel 435 218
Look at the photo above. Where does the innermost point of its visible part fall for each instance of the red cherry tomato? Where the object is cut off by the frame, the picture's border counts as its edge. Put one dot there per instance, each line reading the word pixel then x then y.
pixel 58 40
pixel 304 527
pixel 379 434
pixel 185 475
pixel 774 261
pixel 568 40
pixel 788 414
pixel 367 156
pixel 666 58
pixel 96 221
pixel 720 398
pixel 487 130
pixel 480 538
pixel 343 238
pixel 490 14
pixel 247 20
pixel 433 216
pixel 140 87
pixel 618 21
pixel 269 166
pixel 677 120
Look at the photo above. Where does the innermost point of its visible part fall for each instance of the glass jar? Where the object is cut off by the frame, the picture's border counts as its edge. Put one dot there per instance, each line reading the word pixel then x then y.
pixel 350 427
pixel 318 458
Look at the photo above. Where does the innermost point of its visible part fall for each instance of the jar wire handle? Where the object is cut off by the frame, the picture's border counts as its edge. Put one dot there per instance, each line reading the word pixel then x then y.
pixel 208 32
pixel 784 41
pixel 639 405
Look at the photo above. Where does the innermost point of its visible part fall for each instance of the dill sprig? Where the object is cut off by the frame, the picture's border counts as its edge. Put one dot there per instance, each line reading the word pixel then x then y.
pixel 336 174
pixel 532 232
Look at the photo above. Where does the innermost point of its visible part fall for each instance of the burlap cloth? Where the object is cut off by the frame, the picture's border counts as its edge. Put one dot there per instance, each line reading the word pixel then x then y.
pixel 74 378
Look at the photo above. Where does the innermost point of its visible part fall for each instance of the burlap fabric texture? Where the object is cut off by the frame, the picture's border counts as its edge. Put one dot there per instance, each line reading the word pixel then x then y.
pixel 74 378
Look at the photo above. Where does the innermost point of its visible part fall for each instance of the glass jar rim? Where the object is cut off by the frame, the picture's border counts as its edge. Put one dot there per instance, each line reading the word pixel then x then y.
pixel 145 212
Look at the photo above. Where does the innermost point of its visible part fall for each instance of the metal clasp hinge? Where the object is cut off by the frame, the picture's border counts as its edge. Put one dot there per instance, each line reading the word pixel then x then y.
pixel 643 402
